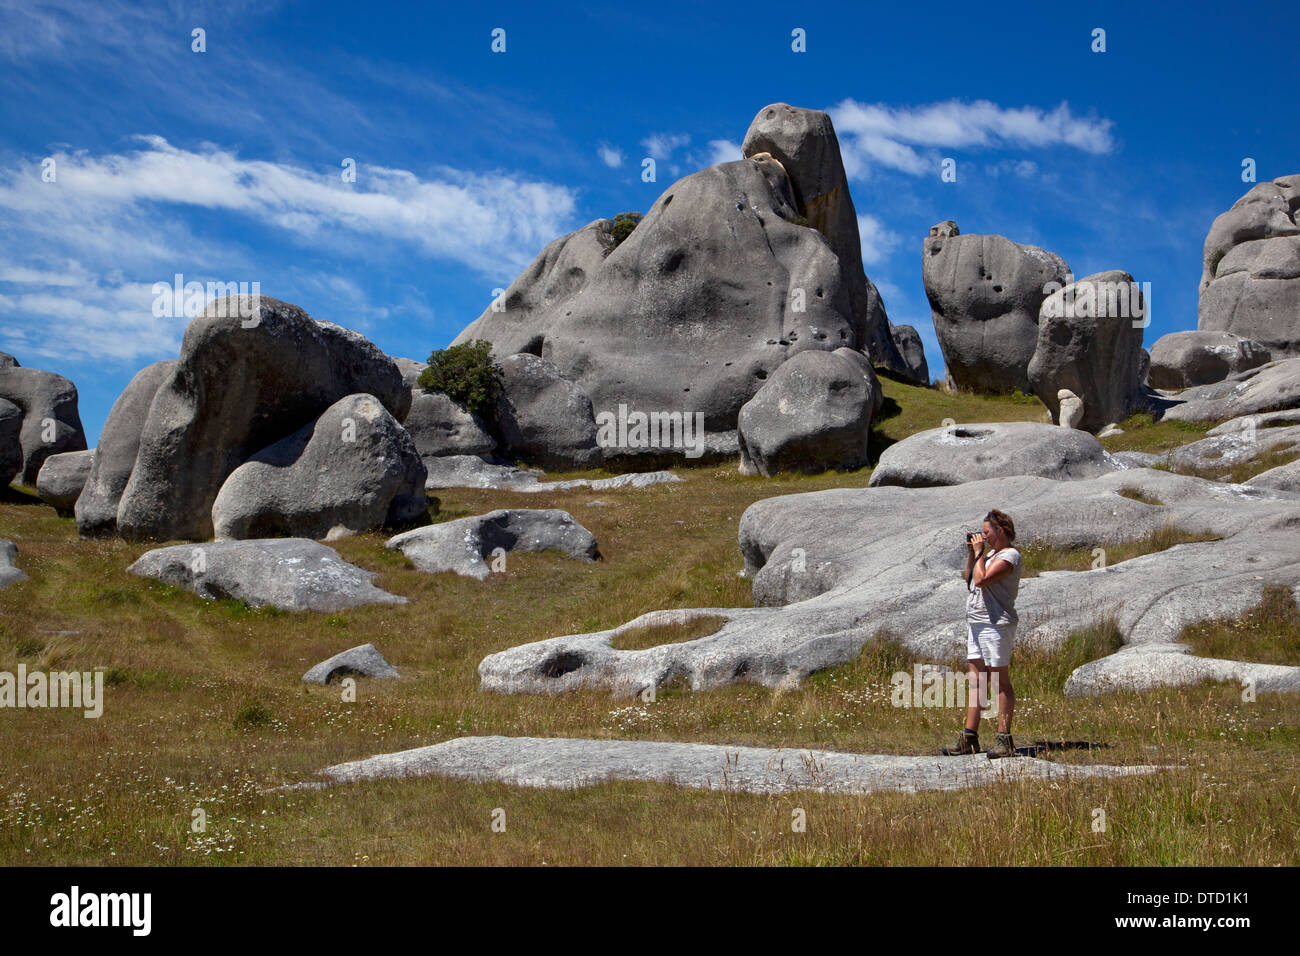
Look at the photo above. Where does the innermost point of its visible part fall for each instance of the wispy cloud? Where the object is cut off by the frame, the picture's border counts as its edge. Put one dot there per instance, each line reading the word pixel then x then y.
pixel 723 151
pixel 878 241
pixel 610 156
pixel 907 139
pixel 663 145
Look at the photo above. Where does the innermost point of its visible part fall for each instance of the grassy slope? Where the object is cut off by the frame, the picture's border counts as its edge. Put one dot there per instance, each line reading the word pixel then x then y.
pixel 206 710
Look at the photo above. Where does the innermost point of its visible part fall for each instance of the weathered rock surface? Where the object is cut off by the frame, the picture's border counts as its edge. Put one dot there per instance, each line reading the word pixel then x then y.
pixel 699 304
pixel 50 423
pixel 119 443
pixel 961 453
pixel 985 293
pixel 803 141
pixel 1281 478
pixel 470 471
pixel 544 417
pixel 8 361
pixel 354 469
pixel 251 371
pixel 293 574
pixel 831 569
pixel 439 425
pixel 1250 284
pixel 813 414
pixel 361 661
pixel 567 763
pixel 1233 443
pixel 1144 666
pixel 908 342
pixel 1183 359
pixel 1089 342
pixel 9 573
pixel 465 545
pixel 11 445
pixel 1271 387
pixel 62 478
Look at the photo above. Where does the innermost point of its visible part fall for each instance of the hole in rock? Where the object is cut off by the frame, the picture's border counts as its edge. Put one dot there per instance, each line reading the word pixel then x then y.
pixel 560 664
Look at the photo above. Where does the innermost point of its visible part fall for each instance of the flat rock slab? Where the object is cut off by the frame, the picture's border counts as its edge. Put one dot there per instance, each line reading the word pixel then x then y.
pixel 9 573
pixel 832 569
pixel 466 544
pixel 1144 666
pixel 470 471
pixel 564 763
pixel 363 660
pixel 293 574
pixel 1271 387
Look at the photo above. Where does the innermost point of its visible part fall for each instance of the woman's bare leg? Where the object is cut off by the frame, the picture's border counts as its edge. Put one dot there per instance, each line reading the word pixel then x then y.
pixel 977 672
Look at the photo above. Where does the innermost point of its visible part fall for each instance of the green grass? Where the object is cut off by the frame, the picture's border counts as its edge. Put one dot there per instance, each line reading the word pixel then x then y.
pixel 1143 433
pixel 205 708
pixel 1242 471
pixel 1267 634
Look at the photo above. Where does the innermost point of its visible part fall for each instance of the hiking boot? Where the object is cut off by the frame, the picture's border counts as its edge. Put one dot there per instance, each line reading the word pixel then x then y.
pixel 967 743
pixel 1003 747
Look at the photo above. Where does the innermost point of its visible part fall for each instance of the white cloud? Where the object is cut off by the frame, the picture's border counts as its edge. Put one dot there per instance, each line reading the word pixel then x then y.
pixel 877 240
pixel 662 145
pixel 908 139
pixel 610 156
pixel 723 151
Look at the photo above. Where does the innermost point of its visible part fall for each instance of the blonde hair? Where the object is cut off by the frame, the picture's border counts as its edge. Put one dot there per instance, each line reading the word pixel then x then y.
pixel 1003 521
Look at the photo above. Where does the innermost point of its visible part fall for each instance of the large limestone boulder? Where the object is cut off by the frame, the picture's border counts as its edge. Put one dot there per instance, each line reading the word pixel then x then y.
pixel 364 660
pixel 803 141
pixel 519 319
pixel 908 342
pixel 702 301
pixel 985 294
pixel 354 469
pixel 439 425
pixel 8 361
pixel 251 371
pixel 1090 343
pixel 293 574
pixel 1183 359
pixel 9 572
pixel 119 444
pixel 51 423
pixel 960 453
pixel 11 445
pixel 813 414
pixel 543 417
pixel 467 544
pixel 1250 283
pixel 62 479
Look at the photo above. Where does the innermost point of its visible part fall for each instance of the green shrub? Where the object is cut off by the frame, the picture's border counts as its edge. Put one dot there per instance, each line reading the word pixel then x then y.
pixel 624 223
pixel 466 374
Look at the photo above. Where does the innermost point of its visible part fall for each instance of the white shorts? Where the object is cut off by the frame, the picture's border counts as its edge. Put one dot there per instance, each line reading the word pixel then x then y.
pixel 990 644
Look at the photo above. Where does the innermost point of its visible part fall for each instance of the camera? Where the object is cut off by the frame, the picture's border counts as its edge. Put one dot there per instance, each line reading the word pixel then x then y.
pixel 969 536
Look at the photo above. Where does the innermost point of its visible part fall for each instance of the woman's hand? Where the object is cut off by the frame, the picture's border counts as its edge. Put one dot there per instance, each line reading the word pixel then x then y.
pixel 977 544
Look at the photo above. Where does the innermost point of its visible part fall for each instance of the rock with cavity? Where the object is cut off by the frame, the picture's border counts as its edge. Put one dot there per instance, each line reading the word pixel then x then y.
pixel 51 423
pixel 467 544
pixel 361 661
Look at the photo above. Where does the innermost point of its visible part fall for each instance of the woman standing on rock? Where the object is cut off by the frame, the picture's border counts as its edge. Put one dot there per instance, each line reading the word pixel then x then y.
pixel 993 579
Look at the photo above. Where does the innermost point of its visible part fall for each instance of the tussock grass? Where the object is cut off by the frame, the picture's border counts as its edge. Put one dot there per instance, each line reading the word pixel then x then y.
pixel 1037 558
pixel 1143 433
pixel 1242 471
pixel 1137 494
pixel 1267 634
pixel 205 708
pixel 653 635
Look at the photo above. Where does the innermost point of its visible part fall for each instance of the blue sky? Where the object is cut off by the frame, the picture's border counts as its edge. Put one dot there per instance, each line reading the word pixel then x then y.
pixel 225 165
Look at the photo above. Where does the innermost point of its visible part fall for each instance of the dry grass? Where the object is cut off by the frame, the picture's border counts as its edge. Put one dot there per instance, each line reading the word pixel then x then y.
pixel 1037 558
pixel 653 635
pixel 206 710
pixel 1267 634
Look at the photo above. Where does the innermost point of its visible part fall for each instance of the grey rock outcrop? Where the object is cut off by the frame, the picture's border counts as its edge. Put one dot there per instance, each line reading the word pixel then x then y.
pixel 812 415
pixel 1234 443
pixel 11 444
pixel 439 426
pixel 62 479
pixel 470 471
pixel 1271 387
pixel 543 417
pixel 1250 284
pixel 985 293
pixel 832 569
pixel 960 453
pixel 119 443
pixel 293 574
pixel 1183 359
pixel 8 361
pixel 466 544
pixel 908 342
pixel 1089 341
pixel 361 661
pixel 568 763
pixel 803 141
pixel 1144 666
pixel 354 469
pixel 51 423
pixel 9 573
pixel 251 371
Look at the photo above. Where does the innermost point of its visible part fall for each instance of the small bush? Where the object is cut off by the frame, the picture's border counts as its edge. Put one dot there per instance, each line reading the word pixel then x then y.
pixel 251 714
pixel 466 374
pixel 624 223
